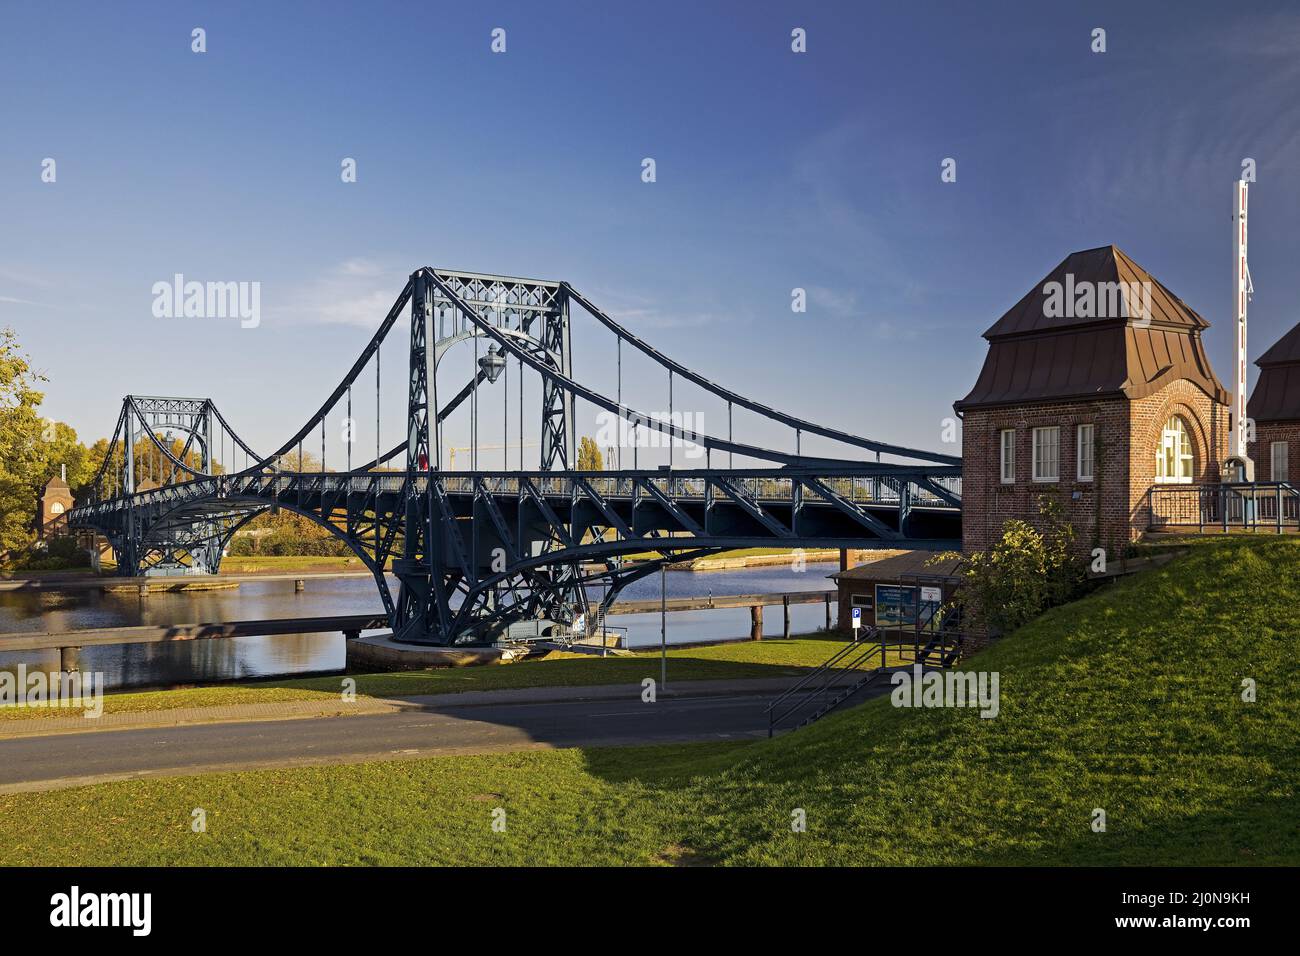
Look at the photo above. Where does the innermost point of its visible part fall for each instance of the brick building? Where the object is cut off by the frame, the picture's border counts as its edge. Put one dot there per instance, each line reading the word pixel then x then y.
pixel 1274 407
pixel 1096 387
pixel 52 508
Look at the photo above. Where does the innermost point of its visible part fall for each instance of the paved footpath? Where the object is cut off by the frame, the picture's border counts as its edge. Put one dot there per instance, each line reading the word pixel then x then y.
pixel 305 733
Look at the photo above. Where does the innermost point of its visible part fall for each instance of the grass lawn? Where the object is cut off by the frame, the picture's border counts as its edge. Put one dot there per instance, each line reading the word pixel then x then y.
pixel 272 564
pixel 1127 701
pixel 736 660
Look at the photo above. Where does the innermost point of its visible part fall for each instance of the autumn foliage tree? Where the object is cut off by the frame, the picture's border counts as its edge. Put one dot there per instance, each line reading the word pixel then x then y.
pixel 33 449
pixel 589 457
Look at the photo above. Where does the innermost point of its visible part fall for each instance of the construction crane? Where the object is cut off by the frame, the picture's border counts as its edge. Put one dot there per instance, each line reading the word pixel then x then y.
pixel 451 451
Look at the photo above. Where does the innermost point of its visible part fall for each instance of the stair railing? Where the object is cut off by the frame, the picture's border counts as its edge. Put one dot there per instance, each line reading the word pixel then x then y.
pixel 815 684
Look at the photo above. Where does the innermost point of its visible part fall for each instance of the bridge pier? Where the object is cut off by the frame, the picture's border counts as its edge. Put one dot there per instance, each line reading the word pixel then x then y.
pixel 299 585
pixel 70 659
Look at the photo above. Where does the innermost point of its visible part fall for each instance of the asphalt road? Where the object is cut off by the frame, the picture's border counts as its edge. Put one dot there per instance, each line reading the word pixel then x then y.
pixel 63 760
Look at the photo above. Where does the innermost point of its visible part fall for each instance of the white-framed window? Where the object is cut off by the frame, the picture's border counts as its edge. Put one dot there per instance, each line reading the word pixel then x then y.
pixel 1278 459
pixel 1174 453
pixel 1007 444
pixel 1085 451
pixel 1047 453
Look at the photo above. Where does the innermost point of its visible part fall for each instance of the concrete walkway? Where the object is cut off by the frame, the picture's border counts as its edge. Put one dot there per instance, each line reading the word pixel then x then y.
pixel 364 706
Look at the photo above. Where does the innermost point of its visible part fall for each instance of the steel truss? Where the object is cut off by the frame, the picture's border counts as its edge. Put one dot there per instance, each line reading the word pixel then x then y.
pixel 475 553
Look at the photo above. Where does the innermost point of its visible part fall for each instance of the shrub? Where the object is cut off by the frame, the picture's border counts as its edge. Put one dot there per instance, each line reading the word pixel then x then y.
pixel 1023 574
pixel 56 554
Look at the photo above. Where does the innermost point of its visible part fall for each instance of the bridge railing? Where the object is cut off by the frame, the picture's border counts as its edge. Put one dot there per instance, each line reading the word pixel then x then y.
pixel 773 485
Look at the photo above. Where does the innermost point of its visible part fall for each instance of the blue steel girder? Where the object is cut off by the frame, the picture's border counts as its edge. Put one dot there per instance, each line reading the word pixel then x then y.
pixel 547 523
pixel 569 518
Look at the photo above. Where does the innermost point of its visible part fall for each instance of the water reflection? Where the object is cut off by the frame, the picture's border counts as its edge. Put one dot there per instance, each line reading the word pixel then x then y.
pixel 153 664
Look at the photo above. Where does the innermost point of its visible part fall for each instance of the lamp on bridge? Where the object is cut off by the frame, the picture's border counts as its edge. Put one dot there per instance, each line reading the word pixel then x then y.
pixel 492 364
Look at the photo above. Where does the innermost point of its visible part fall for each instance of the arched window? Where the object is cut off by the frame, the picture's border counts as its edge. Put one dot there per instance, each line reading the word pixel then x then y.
pixel 1174 453
pixel 56 508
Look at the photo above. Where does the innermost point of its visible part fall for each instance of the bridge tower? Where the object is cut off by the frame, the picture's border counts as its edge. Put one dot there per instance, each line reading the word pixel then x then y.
pixel 435 560
pixel 142 456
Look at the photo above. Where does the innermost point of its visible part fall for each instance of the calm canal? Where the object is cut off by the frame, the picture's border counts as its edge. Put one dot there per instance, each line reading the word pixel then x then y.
pixel 135 665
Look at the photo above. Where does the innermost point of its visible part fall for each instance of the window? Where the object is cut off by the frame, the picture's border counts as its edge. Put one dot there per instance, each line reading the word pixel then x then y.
pixel 1278 453
pixel 1008 439
pixel 1047 454
pixel 1174 454
pixel 57 507
pixel 1085 452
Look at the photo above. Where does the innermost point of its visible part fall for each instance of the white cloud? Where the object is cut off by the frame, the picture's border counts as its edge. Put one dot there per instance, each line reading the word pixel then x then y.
pixel 355 292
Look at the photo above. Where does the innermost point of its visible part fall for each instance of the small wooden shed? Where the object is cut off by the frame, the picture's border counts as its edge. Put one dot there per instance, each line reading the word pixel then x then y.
pixel 892 591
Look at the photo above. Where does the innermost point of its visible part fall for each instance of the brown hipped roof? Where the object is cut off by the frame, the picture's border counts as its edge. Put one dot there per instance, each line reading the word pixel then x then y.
pixel 1036 356
pixel 1277 393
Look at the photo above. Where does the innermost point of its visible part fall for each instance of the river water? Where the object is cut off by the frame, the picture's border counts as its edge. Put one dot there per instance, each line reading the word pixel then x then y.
pixel 135 665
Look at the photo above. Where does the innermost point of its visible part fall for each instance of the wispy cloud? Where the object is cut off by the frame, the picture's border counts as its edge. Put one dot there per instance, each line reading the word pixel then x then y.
pixel 10 276
pixel 354 292
pixel 641 312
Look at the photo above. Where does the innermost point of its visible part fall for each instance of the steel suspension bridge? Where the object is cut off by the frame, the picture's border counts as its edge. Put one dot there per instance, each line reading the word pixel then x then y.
pixel 480 555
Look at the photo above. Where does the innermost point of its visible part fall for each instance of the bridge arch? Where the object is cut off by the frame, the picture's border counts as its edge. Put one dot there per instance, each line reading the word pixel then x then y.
pixel 259 506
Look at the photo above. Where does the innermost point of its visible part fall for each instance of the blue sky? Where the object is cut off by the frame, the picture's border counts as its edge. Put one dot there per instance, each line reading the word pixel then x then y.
pixel 775 170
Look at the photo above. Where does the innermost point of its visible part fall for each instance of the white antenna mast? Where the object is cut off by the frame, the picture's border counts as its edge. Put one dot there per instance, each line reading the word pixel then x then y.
pixel 1239 466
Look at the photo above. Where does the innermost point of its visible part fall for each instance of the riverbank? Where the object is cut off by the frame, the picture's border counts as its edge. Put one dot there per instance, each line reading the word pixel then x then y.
pixel 1132 702
pixel 736 660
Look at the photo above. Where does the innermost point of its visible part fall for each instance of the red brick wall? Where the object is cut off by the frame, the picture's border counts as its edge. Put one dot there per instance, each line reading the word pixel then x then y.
pixel 987 504
pixel 1109 511
pixel 1208 423
pixel 1261 453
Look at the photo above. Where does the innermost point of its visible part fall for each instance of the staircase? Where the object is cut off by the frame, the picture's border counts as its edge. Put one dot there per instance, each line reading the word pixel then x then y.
pixel 828 685
pixel 943 647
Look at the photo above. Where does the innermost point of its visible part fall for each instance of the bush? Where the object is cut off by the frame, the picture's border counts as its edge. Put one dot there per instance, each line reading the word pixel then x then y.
pixel 1025 573
pixel 289 545
pixel 56 554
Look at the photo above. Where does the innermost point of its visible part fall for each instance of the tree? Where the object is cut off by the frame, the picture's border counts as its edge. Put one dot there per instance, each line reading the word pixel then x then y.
pixel 32 449
pixel 589 455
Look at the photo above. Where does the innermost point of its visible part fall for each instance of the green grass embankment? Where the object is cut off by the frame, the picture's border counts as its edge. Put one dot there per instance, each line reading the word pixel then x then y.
pixel 1129 701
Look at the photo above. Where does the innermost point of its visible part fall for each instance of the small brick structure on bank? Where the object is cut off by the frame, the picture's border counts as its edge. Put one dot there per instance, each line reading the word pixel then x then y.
pixel 1092 410
pixel 52 508
pixel 892 590
pixel 1274 407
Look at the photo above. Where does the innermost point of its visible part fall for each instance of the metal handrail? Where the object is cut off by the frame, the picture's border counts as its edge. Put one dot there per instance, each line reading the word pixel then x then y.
pixel 1247 505
pixel 828 670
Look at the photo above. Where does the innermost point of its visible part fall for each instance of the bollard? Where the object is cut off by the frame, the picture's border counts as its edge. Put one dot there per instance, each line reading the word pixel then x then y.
pixel 69 659
pixel 756 622
pixel 828 612
pixel 299 585
pixel 785 608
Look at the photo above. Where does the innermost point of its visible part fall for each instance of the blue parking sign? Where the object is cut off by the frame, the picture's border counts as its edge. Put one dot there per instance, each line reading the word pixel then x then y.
pixel 857 618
